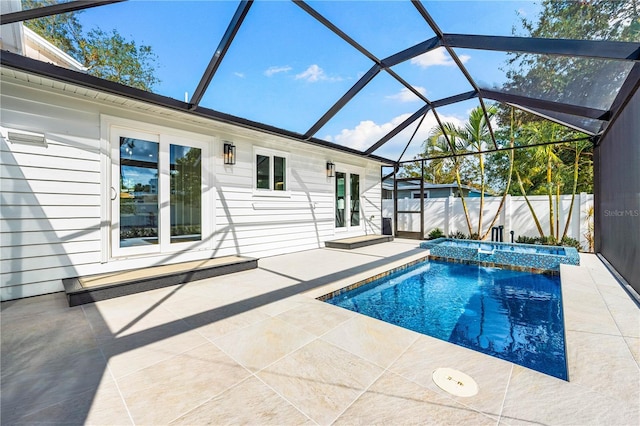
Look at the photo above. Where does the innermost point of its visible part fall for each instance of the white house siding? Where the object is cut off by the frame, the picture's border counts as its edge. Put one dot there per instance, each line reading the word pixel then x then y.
pixel 55 199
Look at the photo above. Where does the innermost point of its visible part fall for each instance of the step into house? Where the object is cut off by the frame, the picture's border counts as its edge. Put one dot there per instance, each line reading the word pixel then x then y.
pixel 81 290
pixel 357 242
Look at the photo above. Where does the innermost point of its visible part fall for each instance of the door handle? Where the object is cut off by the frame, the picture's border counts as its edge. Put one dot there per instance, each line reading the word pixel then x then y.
pixel 114 193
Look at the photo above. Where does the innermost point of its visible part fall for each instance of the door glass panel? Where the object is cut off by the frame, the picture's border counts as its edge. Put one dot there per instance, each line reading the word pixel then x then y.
pixel 355 200
pixel 340 199
pixel 186 194
pixel 138 192
pixel 279 175
pixel 262 172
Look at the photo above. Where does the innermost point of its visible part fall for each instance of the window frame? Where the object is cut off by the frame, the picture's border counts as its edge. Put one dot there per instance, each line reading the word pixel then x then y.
pixel 115 128
pixel 271 154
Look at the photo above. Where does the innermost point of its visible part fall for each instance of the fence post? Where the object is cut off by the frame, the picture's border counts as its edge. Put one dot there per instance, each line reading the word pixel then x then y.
pixel 506 216
pixel 448 208
pixel 582 220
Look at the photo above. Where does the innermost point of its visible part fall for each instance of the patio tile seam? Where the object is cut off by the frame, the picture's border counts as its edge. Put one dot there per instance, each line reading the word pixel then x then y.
pixel 235 385
pixel 160 361
pixel 382 373
pixel 504 398
pixel 271 363
pixel 443 394
pixel 385 370
pixel 611 314
pixel 388 370
pixel 283 397
pixel 117 385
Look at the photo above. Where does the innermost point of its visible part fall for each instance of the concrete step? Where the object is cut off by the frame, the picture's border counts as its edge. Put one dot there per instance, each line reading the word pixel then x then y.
pixel 357 242
pixel 88 289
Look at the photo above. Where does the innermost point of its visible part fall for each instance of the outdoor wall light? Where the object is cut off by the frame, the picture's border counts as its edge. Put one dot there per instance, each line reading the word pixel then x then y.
pixel 27 138
pixel 331 169
pixel 229 153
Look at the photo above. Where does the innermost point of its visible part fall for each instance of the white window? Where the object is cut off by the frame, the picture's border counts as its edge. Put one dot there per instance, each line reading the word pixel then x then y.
pixel 271 171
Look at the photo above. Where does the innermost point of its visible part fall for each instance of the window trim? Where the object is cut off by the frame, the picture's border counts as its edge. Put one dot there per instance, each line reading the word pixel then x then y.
pixel 114 127
pixel 271 191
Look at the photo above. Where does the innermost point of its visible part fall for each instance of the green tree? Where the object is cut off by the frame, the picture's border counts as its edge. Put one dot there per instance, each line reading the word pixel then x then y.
pixel 579 81
pixel 107 55
pixel 443 142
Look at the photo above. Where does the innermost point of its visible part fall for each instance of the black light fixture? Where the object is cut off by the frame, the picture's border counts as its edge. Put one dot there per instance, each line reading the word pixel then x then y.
pixel 229 153
pixel 331 169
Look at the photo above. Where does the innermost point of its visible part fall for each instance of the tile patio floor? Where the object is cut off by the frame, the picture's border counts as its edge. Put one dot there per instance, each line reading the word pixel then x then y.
pixel 255 347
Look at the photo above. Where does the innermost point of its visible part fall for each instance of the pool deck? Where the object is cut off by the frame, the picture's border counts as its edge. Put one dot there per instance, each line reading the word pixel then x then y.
pixel 255 347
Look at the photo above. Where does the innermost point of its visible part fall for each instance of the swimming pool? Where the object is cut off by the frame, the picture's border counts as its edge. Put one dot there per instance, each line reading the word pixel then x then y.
pixel 525 257
pixel 513 315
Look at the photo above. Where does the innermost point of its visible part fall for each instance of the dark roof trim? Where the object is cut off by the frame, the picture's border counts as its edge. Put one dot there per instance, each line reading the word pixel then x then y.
pixel 517 100
pixel 412 52
pixel 21 63
pixel 414 117
pixel 360 84
pixel 553 118
pixel 489 151
pixel 41 12
pixel 616 50
pixel 432 23
pixel 221 51
pixel 628 89
pixel 398 129
pixel 324 21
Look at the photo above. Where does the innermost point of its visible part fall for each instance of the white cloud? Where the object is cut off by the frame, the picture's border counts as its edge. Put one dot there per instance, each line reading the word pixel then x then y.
pixel 275 70
pixel 437 57
pixel 367 132
pixel 406 95
pixel 239 74
pixel 314 74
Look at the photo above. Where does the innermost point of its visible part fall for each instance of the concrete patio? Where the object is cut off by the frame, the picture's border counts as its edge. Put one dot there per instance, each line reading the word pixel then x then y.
pixel 255 347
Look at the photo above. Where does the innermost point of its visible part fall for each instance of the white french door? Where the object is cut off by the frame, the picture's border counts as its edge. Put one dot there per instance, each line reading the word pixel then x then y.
pixel 157 191
pixel 347 201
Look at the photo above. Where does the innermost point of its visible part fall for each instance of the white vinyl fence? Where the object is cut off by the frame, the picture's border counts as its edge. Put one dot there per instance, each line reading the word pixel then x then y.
pixel 447 214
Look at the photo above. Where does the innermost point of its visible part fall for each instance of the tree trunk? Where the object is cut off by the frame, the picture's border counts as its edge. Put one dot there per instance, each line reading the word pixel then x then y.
pixel 464 203
pixel 504 195
pixel 526 199
pixel 550 194
pixel 576 163
pixel 482 185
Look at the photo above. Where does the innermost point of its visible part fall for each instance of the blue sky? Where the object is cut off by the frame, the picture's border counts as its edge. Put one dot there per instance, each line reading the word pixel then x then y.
pixel 286 69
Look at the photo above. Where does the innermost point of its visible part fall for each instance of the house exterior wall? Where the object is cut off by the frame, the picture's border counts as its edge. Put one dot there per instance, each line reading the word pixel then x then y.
pixel 55 220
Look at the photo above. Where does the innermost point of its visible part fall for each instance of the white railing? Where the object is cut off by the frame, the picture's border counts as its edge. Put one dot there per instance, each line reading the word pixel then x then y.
pixel 447 214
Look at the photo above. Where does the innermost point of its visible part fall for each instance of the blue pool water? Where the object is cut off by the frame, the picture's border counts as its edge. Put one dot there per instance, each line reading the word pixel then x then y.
pixel 516 316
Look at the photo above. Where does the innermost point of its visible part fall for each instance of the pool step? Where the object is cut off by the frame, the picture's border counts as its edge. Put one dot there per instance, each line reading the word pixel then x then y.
pixel 357 242
pixel 81 290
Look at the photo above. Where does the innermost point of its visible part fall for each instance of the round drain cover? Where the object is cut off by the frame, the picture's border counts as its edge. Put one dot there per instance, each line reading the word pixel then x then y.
pixel 455 382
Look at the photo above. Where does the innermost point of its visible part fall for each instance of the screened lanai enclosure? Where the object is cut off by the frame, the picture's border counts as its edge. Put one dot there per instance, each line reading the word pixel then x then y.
pixel 372 79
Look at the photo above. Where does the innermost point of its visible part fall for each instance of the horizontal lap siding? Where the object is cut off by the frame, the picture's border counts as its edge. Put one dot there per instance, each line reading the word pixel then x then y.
pixel 50 196
pixel 52 204
pixel 266 223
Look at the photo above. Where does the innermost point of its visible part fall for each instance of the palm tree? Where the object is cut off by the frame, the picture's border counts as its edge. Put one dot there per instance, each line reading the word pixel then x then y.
pixel 546 157
pixel 472 137
pixel 509 174
pixel 475 136
pixel 439 144
pixel 579 149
